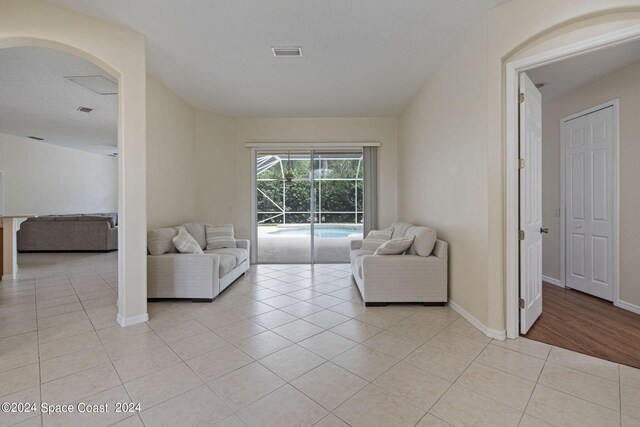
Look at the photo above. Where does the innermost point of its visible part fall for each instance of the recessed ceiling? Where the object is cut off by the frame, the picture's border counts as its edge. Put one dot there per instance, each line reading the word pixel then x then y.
pixel 37 100
pixel 361 57
pixel 570 74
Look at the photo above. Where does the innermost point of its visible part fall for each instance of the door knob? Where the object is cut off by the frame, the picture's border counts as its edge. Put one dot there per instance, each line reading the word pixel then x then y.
pixel 544 230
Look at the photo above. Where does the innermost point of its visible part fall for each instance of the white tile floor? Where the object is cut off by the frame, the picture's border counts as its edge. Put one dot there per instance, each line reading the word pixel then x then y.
pixel 285 346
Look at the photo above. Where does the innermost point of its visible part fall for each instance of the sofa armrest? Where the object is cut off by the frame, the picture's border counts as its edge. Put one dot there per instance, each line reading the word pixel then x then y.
pixel 402 278
pixel 183 275
pixel 243 244
pixel 356 244
pixel 440 250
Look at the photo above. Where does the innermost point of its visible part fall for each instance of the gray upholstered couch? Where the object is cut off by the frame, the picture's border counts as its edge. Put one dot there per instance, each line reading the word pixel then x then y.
pixel 199 277
pixel 80 232
pixel 420 275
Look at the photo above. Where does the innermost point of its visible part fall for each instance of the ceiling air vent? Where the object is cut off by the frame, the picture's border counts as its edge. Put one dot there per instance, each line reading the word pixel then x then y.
pixel 85 109
pixel 37 138
pixel 290 52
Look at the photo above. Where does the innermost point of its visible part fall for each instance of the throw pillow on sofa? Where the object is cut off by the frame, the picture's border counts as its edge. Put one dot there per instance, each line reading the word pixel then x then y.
pixel 185 243
pixel 220 236
pixel 160 241
pixel 395 246
pixel 376 238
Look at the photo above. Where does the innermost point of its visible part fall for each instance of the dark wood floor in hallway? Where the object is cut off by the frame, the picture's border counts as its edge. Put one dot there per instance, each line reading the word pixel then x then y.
pixel 589 325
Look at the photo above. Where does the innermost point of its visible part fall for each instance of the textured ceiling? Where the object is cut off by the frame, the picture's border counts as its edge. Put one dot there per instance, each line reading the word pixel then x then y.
pixel 36 100
pixel 361 57
pixel 565 76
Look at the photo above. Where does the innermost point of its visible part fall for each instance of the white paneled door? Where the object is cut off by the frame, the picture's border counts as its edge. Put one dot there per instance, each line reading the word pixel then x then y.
pixel 589 200
pixel 530 203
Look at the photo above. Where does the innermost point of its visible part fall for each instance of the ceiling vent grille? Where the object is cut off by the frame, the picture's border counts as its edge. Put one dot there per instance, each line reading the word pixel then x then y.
pixel 85 109
pixel 289 52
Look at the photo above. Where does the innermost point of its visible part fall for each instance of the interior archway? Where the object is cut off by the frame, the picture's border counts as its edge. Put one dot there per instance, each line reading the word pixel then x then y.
pixel 121 53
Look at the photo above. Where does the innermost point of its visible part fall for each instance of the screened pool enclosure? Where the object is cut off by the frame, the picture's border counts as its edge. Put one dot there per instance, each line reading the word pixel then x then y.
pixel 309 205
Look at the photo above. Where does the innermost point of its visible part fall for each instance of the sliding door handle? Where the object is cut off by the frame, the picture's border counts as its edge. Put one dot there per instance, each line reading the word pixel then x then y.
pixel 544 230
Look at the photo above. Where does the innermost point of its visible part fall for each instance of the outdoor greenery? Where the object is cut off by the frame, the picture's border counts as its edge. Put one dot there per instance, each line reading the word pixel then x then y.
pixel 338 187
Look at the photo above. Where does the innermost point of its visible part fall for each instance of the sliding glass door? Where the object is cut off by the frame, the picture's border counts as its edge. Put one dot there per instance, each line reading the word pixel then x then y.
pixel 310 205
pixel 338 204
pixel 283 217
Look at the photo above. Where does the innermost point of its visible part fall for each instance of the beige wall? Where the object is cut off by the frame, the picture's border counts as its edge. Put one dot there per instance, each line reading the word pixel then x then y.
pixel 215 165
pixel 443 169
pixel 465 128
pixel 309 130
pixel 45 179
pixel 171 176
pixel 203 172
pixel 625 86
pixel 121 53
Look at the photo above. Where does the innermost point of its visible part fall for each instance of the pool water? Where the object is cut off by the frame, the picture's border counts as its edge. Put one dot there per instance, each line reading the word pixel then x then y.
pixel 320 231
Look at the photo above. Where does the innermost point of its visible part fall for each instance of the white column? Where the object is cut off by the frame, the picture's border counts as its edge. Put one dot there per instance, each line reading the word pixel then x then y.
pixel 10 226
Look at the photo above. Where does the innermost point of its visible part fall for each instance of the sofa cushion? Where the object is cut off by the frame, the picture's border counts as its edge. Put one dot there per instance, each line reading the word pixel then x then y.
pixel 196 229
pixel 97 218
pixel 358 252
pixel 375 238
pixel 185 243
pixel 112 215
pixel 400 229
pixel 160 241
pixel 239 253
pixel 220 236
pixel 394 246
pixel 66 218
pixel 227 263
pixel 424 241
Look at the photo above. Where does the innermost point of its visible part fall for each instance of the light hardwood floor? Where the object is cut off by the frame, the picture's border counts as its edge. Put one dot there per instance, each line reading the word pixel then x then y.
pixel 589 325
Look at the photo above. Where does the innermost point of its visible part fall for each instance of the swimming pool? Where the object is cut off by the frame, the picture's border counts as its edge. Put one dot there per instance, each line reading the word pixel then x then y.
pixel 320 230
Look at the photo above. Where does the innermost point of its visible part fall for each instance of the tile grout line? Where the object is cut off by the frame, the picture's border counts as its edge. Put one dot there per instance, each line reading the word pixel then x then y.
pixel 456 380
pixel 620 396
pixel 239 297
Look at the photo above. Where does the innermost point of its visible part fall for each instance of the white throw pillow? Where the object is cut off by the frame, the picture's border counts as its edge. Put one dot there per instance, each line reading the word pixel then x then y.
pixel 395 246
pixel 220 236
pixel 160 241
pixel 185 243
pixel 375 238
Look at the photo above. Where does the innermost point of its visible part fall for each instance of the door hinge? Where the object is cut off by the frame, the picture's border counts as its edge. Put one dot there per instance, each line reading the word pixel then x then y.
pixel 521 98
pixel 521 234
pixel 521 163
pixel 521 303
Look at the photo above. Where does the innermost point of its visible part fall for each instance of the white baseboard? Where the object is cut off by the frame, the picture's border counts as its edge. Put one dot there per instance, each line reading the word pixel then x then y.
pixel 627 306
pixel 491 333
pixel 130 321
pixel 552 281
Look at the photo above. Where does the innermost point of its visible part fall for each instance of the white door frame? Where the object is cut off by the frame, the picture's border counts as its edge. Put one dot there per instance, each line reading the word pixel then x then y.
pixel 512 70
pixel 615 104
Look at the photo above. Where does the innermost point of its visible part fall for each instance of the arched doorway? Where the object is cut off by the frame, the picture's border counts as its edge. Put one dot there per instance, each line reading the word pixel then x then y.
pixel 122 54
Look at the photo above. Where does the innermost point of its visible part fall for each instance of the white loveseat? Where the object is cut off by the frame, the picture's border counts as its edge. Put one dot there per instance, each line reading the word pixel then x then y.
pixel 419 275
pixel 199 277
